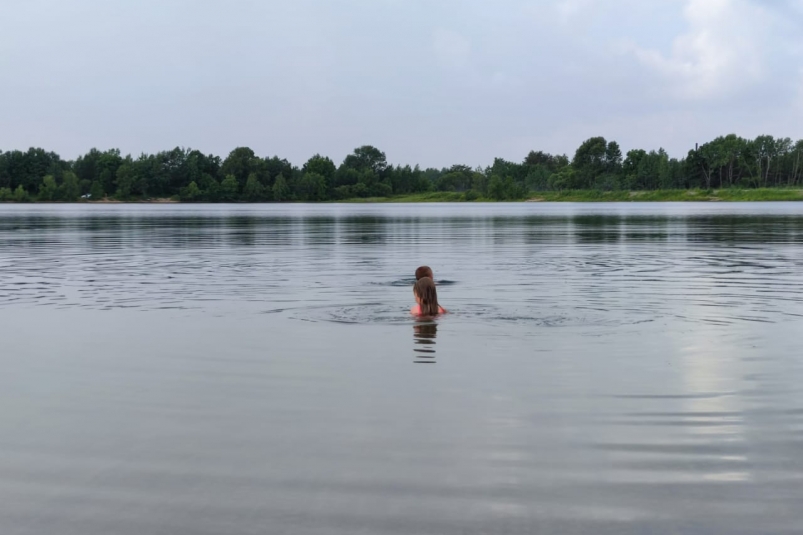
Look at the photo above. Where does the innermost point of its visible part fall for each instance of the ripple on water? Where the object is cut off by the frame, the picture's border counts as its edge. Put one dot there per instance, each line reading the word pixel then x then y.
pixel 384 313
pixel 150 262
pixel 695 430
pixel 405 283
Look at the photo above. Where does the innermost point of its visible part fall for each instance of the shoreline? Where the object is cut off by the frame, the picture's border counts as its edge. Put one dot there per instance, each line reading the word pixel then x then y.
pixel 722 195
pixel 589 196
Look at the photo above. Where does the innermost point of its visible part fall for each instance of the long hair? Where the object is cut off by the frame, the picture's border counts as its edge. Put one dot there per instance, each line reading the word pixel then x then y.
pixel 425 289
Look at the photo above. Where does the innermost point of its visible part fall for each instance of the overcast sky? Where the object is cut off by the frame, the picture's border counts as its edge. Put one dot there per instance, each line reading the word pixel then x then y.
pixel 434 82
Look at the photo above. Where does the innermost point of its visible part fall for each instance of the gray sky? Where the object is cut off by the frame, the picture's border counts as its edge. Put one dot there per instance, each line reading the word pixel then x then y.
pixel 432 82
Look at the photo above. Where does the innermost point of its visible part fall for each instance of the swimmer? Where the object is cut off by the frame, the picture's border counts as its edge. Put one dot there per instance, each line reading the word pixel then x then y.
pixel 426 298
pixel 424 271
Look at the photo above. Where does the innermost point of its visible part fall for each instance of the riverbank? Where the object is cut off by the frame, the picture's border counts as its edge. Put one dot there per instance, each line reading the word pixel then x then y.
pixel 723 195
pixel 164 200
pixel 726 195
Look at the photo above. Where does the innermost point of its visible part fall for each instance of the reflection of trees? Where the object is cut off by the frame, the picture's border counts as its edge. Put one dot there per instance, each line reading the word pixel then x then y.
pixel 133 229
pixel 365 229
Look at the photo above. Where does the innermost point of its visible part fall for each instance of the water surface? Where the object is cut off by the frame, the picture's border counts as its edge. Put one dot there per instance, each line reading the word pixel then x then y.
pixel 614 368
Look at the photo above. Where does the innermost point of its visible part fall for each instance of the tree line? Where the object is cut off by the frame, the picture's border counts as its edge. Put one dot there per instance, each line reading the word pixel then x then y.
pixel 191 176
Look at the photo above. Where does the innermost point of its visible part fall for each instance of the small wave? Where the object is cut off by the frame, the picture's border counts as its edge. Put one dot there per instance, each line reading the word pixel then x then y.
pixel 384 313
pixel 359 313
pixel 404 283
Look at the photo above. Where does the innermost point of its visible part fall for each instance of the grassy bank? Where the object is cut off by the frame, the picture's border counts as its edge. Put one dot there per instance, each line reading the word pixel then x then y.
pixel 695 195
pixel 728 195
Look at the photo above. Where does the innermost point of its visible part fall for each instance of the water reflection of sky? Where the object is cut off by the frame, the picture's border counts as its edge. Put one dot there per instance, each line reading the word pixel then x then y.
pixel 605 369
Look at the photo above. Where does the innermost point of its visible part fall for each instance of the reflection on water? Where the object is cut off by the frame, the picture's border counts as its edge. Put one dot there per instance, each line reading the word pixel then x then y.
pixel 218 369
pixel 319 264
pixel 424 334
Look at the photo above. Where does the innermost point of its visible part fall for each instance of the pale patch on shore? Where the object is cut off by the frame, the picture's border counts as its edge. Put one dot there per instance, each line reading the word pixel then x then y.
pixel 106 200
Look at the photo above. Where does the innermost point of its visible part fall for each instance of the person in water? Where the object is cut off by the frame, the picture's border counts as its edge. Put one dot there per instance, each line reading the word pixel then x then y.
pixel 426 298
pixel 424 271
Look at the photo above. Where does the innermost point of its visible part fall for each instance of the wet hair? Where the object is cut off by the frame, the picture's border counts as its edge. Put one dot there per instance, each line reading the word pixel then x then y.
pixel 425 290
pixel 423 271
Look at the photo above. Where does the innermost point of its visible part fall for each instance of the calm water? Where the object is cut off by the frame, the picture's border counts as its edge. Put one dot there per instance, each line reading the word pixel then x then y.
pixel 631 368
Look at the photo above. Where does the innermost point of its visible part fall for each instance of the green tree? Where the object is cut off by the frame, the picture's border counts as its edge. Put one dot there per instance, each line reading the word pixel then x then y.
pixel 367 157
pixel 496 188
pixel 20 194
pixel 346 176
pixel 693 170
pixel 146 169
pixel 367 180
pixel 479 182
pixel 380 189
pixel 276 166
pixel 85 185
pixel 254 191
pixel 241 163
pixel 125 181
pixel 6 195
pixel 343 192
pixel 402 179
pixel 457 178
pixel 538 158
pixel 539 168
pixel 29 168
pixel 312 187
pixel 552 163
pixel 538 178
pixel 99 166
pixel 591 160
pixel 566 178
pixel 198 164
pixel 281 191
pixel 320 165
pixel 712 157
pixel 424 181
pixel 733 148
pixel 70 190
pixel 613 158
pixel 503 189
pixel 48 190
pixel 229 189
pixel 630 168
pixel 191 193
pixel 504 168
pixel 210 188
pixel 796 161
pixel 96 192
pixel 765 150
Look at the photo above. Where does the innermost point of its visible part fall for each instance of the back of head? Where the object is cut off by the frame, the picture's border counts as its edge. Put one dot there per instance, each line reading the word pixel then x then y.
pixel 425 289
pixel 423 271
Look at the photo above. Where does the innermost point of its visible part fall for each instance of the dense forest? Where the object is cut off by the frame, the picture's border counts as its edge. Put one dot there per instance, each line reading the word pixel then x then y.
pixel 191 176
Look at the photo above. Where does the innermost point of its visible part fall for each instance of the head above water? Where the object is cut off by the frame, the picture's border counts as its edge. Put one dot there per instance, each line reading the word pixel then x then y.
pixel 427 296
pixel 423 271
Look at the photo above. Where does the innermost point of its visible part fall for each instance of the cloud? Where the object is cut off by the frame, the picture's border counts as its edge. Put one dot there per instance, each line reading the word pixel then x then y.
pixel 721 52
pixel 435 83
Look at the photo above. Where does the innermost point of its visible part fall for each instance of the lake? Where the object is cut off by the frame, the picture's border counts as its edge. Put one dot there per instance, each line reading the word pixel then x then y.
pixel 250 369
